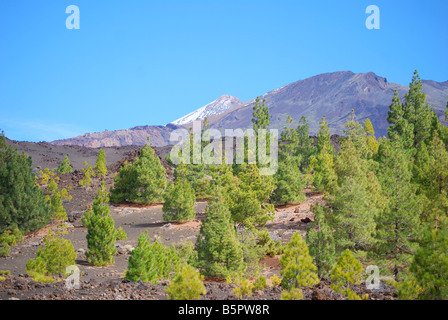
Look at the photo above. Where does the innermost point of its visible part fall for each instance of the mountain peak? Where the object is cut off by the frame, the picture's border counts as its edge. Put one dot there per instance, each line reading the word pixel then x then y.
pixel 220 105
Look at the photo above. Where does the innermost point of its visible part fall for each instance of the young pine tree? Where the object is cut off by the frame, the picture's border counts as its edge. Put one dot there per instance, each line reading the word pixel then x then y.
pixel 101 232
pixel 65 166
pixel 143 181
pixel 219 251
pixel 345 273
pixel 101 164
pixel 151 262
pixel 52 258
pixel 186 285
pixel 298 268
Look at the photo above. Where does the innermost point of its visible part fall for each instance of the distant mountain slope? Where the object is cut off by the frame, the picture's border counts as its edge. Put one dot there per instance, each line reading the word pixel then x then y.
pixel 331 94
pixel 334 95
pixel 216 107
pixel 158 136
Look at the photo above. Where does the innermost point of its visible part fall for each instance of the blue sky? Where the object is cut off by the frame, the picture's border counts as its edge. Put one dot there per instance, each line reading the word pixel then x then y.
pixel 144 62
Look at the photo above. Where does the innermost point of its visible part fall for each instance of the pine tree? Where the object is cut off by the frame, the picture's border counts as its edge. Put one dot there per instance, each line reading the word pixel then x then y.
pixel 219 251
pixel 298 268
pixel 320 242
pixel 179 200
pixel 21 201
pixel 187 285
pixel 398 225
pixel 65 166
pixel 101 232
pixel 151 262
pixel 430 264
pixel 143 181
pixel 101 164
pixel 345 273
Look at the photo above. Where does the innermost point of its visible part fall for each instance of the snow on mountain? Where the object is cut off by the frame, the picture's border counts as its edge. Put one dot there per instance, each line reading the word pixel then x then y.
pixel 214 108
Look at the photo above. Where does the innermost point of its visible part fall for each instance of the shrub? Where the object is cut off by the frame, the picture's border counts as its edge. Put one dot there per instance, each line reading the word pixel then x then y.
pixel 52 258
pixel 186 285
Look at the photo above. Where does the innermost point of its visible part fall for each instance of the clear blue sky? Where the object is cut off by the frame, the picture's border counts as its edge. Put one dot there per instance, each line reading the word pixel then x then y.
pixel 144 62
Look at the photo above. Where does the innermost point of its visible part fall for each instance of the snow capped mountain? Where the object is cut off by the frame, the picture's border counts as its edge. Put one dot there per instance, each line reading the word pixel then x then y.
pixel 214 108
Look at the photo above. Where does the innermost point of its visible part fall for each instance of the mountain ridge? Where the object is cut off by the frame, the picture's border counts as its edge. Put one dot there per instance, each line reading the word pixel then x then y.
pixel 333 94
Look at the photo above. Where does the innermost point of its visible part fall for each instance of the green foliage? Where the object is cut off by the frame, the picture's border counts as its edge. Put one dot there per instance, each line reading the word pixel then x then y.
pixel 186 252
pixel 88 174
pixel 292 294
pixel 52 258
pixel 260 283
pixel 320 242
pixel 407 289
pixel 244 288
pixel 271 247
pixel 186 285
pixel 101 232
pixel 121 234
pixel 65 166
pixel 143 181
pixel 5 249
pixel 275 280
pixel 22 203
pixel 345 273
pixel 151 262
pixel 298 268
pixel 45 175
pixel 430 264
pixel 101 164
pixel 179 202
pixel 219 251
